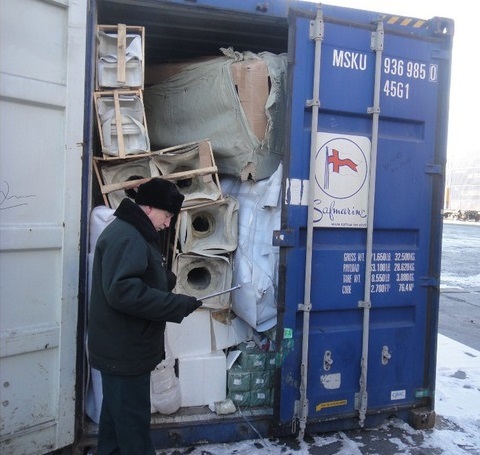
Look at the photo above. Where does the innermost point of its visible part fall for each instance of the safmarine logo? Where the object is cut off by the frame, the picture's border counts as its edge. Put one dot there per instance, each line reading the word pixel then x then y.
pixel 344 168
pixel 341 177
pixel 337 162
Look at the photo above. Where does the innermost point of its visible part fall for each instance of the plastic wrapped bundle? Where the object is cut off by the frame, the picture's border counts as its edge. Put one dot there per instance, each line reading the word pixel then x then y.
pixel 214 99
pixel 165 395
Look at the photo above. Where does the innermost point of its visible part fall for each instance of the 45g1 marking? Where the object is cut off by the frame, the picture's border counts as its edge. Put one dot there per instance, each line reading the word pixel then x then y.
pixel 396 89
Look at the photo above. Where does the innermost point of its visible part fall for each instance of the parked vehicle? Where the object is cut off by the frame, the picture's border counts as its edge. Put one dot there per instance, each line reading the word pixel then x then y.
pixel 357 248
pixel 462 215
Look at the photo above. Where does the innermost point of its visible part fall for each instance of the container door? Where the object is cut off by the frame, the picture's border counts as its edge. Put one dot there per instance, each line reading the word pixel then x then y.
pixel 42 45
pixel 362 223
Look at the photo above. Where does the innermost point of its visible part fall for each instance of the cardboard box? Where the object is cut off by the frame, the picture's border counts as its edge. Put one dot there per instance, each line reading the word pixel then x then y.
pixel 239 380
pixel 260 380
pixel 252 83
pixel 203 378
pixel 240 398
pixel 228 331
pixel 192 336
pixel 271 360
pixel 252 358
pixel 260 397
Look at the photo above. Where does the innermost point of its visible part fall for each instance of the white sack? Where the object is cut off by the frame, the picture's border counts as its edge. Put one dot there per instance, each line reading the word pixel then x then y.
pixel 165 395
pixel 100 218
pixel 94 396
pixel 256 259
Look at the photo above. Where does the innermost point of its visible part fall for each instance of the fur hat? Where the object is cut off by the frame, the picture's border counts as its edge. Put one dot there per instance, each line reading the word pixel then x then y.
pixel 161 194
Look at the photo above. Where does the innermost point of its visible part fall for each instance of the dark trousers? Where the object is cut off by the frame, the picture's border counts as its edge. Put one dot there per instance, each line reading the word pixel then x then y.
pixel 124 427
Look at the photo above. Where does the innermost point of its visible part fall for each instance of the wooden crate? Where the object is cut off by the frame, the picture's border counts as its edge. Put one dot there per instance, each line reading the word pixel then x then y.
pixel 118 137
pixel 192 167
pixel 189 166
pixel 110 186
pixel 120 57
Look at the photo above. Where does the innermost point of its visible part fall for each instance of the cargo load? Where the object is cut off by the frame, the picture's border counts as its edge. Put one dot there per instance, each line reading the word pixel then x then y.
pixel 309 142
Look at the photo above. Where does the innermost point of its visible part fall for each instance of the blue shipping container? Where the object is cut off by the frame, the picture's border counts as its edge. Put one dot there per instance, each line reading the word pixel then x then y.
pixel 360 237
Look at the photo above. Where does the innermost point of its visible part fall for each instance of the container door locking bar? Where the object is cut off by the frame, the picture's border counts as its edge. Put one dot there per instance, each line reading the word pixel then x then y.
pixel 377 46
pixel 301 406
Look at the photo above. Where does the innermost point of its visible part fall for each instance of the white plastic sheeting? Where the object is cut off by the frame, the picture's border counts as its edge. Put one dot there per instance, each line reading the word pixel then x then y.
pixel 100 218
pixel 256 259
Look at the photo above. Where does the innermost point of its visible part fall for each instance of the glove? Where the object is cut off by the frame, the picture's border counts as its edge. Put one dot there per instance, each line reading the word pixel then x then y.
pixel 191 305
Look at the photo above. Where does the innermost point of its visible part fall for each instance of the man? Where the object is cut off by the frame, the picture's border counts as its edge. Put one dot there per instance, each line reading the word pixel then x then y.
pixel 129 306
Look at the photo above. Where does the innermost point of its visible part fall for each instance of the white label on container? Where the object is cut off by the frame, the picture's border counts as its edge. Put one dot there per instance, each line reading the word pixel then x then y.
pixel 398 395
pixel 331 381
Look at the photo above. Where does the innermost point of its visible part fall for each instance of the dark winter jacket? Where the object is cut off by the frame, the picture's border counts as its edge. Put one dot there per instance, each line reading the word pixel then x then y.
pixel 130 301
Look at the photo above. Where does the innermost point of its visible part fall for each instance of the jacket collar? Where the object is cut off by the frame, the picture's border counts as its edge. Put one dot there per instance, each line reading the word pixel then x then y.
pixel 131 213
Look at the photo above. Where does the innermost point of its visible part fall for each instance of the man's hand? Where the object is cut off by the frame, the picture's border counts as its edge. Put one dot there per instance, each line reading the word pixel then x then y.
pixel 192 305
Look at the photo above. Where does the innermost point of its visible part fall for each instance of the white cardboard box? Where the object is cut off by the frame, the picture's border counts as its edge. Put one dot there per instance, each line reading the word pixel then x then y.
pixel 192 336
pixel 229 332
pixel 203 379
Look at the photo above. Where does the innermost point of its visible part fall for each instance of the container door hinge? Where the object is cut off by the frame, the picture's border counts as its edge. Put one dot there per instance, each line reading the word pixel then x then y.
pixel 316 34
pixel 430 281
pixel 299 414
pixel 363 304
pixel 435 169
pixel 285 237
pixel 361 401
pixel 303 307
pixel 386 356
pixel 327 360
pixel 296 407
pixel 317 27
pixel 377 37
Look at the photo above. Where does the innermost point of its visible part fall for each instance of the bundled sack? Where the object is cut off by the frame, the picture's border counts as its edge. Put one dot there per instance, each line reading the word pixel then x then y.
pixel 165 394
pixel 256 259
pixel 218 99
